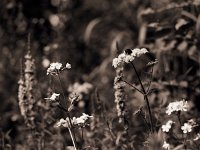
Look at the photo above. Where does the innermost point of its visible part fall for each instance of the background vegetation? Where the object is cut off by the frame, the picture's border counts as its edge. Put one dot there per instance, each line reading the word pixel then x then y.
pixel 89 34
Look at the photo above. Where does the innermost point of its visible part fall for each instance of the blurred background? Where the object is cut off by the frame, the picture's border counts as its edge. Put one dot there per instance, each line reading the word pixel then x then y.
pixel 89 34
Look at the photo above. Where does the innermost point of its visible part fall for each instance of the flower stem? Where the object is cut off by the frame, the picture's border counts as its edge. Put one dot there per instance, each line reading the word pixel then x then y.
pixel 145 97
pixel 70 128
pixel 132 86
pixel 179 119
pixel 72 137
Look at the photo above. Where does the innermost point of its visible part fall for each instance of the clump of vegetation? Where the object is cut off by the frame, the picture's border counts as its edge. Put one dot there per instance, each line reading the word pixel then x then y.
pixel 109 94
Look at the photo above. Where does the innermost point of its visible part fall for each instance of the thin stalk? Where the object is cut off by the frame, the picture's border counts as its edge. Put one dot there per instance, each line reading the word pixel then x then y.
pixel 68 115
pixel 82 137
pixel 179 119
pixel 72 137
pixel 62 88
pixel 145 97
pixel 132 86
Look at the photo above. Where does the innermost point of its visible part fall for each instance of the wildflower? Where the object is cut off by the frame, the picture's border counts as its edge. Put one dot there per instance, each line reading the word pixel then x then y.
pixel 177 106
pixel 167 126
pixel 115 62
pixel 54 68
pixel 21 95
pixel 81 120
pixel 120 93
pixel 166 145
pixel 62 122
pixel 29 84
pixel 138 52
pixel 53 97
pixel 197 137
pixel 186 128
pixel 68 66
pixel 128 56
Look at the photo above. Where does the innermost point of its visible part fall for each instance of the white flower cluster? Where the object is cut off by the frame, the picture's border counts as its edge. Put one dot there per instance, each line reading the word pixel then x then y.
pixel 128 56
pixel 53 97
pixel 80 89
pixel 166 145
pixel 177 106
pixel 76 121
pixel 167 126
pixel 81 120
pixel 54 68
pixel 187 127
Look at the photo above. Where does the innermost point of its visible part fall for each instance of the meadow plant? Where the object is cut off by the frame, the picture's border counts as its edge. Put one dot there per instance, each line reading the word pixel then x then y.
pixel 182 131
pixel 120 94
pixel 70 122
pixel 127 57
pixel 168 135
pixel 26 98
pixel 36 113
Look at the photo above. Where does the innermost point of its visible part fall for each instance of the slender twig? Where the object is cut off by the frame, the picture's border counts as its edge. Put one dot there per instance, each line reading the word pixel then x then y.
pixel 132 86
pixel 145 97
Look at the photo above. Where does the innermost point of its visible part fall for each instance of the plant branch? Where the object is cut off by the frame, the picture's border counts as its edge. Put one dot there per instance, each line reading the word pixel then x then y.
pixel 132 86
pixel 68 115
pixel 145 97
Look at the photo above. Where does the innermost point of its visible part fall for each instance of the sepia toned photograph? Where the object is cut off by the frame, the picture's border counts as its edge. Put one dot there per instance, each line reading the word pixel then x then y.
pixel 99 74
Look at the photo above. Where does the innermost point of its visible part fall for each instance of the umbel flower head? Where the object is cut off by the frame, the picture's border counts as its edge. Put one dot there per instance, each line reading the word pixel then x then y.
pixel 56 67
pixel 128 56
pixel 81 120
pixel 177 106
